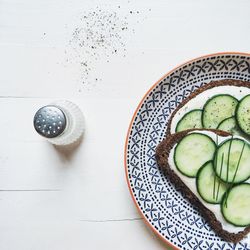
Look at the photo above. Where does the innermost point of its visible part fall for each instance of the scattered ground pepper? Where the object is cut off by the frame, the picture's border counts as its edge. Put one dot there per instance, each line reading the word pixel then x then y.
pixel 101 33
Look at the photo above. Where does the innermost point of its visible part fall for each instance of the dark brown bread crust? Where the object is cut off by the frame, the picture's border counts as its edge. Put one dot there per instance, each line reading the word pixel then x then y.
pixel 210 85
pixel 162 154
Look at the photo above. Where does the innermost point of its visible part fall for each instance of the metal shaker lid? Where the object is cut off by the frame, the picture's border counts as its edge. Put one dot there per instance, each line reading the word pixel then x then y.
pixel 50 121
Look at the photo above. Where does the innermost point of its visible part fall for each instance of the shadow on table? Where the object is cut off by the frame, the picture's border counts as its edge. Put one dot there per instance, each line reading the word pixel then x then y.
pixel 67 152
pixel 159 241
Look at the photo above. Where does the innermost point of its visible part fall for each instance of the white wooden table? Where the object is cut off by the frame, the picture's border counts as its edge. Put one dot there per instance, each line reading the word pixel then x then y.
pixel 78 199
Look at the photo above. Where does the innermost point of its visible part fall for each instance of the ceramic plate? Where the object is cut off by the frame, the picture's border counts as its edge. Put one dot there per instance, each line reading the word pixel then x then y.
pixel 164 209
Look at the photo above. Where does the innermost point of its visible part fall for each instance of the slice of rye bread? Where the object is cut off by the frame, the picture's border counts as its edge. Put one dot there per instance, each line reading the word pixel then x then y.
pixel 226 82
pixel 162 154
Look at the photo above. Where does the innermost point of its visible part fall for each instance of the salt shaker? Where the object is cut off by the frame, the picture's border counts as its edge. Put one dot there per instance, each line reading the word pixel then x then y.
pixel 60 122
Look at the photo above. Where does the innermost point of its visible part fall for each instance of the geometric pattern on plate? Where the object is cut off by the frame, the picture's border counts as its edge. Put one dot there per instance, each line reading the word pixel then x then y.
pixel 164 209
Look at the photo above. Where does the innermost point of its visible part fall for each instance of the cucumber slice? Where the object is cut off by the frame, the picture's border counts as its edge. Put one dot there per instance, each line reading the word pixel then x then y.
pixel 236 162
pixel 190 120
pixel 235 206
pixel 192 152
pixel 229 125
pixel 209 186
pixel 217 109
pixel 243 114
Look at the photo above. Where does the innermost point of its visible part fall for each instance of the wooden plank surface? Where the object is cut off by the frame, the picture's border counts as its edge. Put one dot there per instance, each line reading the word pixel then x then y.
pixel 78 198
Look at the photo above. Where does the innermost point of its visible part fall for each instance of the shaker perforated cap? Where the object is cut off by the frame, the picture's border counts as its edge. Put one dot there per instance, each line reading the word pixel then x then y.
pixel 50 121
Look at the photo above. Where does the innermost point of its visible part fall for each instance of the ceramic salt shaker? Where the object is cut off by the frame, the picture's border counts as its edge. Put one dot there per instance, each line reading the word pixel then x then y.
pixel 60 122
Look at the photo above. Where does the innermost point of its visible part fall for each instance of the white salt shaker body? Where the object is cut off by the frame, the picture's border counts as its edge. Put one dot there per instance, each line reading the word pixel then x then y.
pixel 61 122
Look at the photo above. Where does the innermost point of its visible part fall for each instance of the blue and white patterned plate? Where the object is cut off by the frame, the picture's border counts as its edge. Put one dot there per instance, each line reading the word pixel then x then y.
pixel 164 209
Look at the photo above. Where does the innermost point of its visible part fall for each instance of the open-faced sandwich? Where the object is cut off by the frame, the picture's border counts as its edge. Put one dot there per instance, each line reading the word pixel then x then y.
pixel 206 155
